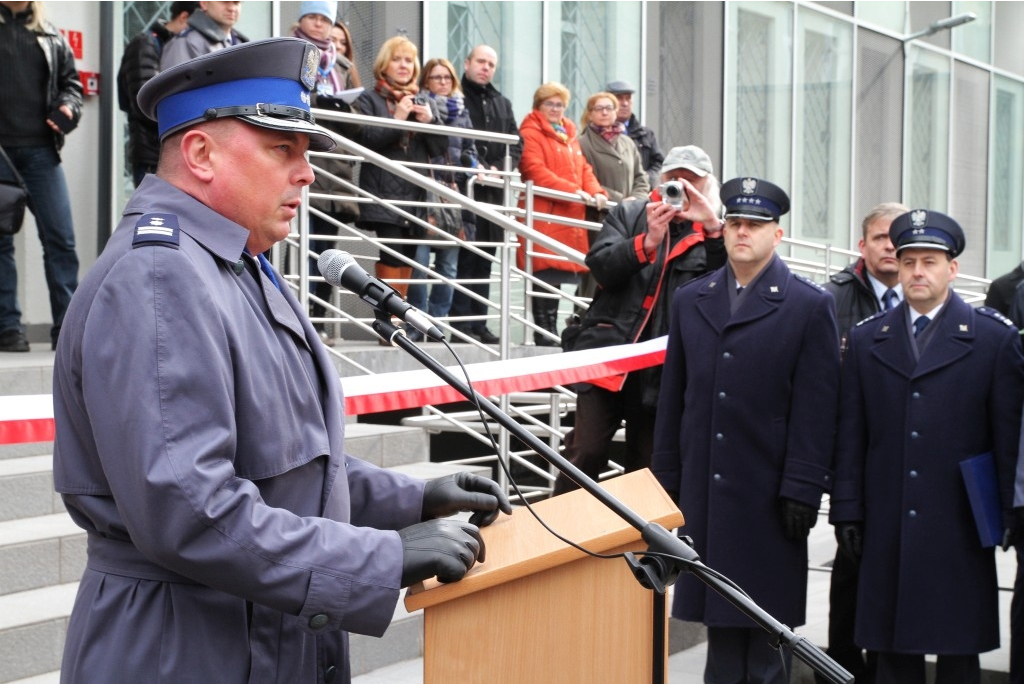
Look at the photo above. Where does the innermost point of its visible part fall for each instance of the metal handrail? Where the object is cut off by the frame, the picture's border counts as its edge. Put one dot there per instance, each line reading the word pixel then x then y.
pixel 516 192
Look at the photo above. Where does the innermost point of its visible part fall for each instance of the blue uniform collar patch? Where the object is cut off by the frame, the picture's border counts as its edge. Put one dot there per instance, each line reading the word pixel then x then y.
pixel 158 229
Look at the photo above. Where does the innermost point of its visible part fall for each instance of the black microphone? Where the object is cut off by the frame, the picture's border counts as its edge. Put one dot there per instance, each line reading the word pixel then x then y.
pixel 340 270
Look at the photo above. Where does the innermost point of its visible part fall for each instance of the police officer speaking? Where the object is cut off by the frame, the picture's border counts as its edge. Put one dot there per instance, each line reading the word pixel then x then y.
pixel 200 422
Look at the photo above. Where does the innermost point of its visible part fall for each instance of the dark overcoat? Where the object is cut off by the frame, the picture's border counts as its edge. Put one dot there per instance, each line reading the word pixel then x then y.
pixel 926 584
pixel 746 416
pixel 199 442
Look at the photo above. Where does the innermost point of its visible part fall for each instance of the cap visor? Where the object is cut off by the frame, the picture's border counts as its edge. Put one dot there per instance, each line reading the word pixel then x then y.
pixel 320 139
pixel 696 170
pixel 747 214
pixel 925 245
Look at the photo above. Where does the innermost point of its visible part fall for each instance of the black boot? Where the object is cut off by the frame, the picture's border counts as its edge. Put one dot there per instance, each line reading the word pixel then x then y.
pixel 545 315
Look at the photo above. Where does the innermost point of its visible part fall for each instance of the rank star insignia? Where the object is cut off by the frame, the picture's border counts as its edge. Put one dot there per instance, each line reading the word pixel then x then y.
pixel 963 328
pixel 885 328
pixel 774 288
pixel 917 231
pixel 712 284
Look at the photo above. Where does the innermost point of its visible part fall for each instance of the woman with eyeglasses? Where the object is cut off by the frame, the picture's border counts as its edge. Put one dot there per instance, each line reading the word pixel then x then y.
pixel 439 82
pixel 552 159
pixel 393 96
pixel 616 162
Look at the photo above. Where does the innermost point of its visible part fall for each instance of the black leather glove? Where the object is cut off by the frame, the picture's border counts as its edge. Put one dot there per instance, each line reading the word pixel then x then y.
pixel 445 548
pixel 850 537
pixel 465 492
pixel 798 518
pixel 1014 535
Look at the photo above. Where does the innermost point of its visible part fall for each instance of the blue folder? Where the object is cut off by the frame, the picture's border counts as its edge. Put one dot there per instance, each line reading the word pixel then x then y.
pixel 983 492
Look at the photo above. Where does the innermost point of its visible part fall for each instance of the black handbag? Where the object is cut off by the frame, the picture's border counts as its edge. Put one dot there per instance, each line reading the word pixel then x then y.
pixel 13 200
pixel 447 218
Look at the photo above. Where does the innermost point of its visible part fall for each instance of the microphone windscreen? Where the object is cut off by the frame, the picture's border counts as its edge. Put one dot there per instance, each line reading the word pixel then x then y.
pixel 332 263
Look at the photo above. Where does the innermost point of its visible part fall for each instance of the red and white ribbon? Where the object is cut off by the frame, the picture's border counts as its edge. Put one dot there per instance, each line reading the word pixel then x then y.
pixel 29 418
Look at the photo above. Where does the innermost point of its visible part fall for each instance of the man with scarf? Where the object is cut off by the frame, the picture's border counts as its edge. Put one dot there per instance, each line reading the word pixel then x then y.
pixel 645 250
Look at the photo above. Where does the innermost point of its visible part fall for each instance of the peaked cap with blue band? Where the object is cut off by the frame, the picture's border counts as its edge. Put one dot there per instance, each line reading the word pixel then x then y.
pixel 265 83
pixel 923 228
pixel 752 198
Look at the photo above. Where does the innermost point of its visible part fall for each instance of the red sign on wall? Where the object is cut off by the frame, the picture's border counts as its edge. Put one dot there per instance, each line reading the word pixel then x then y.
pixel 74 39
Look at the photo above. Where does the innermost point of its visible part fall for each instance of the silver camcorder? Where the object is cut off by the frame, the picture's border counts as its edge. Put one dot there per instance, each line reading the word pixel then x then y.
pixel 673 193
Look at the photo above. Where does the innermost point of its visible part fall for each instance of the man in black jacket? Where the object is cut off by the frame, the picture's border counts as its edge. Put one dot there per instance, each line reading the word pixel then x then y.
pixel 1003 290
pixel 646 142
pixel 141 62
pixel 870 284
pixel 645 250
pixel 489 110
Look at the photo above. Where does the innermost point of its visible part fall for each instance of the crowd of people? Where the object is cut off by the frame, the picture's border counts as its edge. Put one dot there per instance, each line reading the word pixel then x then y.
pixel 880 387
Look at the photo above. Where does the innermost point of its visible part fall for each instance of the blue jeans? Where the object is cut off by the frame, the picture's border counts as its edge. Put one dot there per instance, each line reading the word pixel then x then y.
pixel 446 264
pixel 51 205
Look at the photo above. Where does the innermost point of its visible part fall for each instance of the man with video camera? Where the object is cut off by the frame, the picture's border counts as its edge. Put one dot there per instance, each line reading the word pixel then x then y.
pixel 645 250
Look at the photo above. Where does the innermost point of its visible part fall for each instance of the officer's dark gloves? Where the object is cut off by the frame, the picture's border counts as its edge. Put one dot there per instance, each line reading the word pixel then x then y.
pixel 445 548
pixel 1015 529
pixel 850 537
pixel 798 518
pixel 465 492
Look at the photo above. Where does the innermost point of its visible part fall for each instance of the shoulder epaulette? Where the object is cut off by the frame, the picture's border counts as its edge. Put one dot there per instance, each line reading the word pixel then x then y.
pixel 998 316
pixel 814 284
pixel 870 318
pixel 156 229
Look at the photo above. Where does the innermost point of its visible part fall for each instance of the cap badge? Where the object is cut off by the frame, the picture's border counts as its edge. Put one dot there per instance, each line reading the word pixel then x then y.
pixel 918 218
pixel 749 186
pixel 310 64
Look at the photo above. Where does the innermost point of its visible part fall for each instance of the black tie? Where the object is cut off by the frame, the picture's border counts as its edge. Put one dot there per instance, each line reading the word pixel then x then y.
pixel 889 299
pixel 920 324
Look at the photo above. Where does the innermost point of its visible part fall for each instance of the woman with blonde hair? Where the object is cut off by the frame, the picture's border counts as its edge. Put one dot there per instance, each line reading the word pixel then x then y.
pixel 552 159
pixel 616 162
pixel 392 96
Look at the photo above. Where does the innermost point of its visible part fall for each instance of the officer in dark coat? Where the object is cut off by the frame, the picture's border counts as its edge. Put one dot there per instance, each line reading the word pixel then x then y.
pixel 744 431
pixel 925 386
pixel 200 422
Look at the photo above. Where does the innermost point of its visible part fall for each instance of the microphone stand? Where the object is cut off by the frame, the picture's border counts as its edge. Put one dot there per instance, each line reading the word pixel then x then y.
pixel 652 572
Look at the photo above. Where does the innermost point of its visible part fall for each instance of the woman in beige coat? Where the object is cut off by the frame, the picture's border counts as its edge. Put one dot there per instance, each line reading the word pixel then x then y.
pixel 616 162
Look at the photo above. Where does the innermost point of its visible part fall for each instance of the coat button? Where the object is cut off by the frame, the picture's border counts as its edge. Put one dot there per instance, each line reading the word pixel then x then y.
pixel 916 395
pixel 718 476
pixel 318 621
pixel 727 355
pixel 913 473
pixel 719 437
pixel 721 395
pixel 913 435
pixel 913 513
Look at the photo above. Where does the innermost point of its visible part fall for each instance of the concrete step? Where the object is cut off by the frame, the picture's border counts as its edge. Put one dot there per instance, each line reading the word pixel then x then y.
pixel 387 446
pixel 26 488
pixel 40 551
pixel 32 629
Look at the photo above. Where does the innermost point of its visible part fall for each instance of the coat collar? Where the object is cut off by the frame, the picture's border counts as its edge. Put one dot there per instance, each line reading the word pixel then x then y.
pixel 765 295
pixel 950 342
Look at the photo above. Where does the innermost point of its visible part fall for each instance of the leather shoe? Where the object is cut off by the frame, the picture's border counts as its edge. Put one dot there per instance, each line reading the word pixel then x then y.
pixel 13 340
pixel 484 335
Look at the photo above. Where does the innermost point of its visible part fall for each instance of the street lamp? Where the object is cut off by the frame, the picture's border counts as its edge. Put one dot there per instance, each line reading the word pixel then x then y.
pixel 942 25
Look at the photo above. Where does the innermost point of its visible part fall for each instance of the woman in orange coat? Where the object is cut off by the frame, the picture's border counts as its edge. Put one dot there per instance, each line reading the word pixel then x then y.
pixel 552 159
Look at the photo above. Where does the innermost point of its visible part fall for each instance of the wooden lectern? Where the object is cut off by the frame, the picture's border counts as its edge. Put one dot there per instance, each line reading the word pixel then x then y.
pixel 540 611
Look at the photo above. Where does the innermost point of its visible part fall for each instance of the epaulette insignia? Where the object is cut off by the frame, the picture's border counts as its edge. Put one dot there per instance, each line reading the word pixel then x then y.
pixel 156 229
pixel 817 286
pixel 870 318
pixel 997 315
